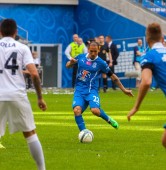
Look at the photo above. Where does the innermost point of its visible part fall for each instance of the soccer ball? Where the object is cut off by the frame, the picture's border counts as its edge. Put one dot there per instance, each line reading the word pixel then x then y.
pixel 85 136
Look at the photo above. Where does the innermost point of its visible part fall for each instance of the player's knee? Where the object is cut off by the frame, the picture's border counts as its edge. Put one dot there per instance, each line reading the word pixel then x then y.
pixel 95 111
pixel 77 110
pixel 164 143
pixel 164 139
pixel 28 134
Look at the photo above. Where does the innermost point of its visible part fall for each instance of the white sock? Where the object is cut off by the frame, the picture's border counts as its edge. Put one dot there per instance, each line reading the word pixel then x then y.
pixel 36 151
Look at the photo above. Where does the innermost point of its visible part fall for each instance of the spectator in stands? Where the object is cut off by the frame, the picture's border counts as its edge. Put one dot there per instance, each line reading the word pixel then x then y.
pixel 152 1
pixel 89 41
pixel 26 73
pixel 164 2
pixel 96 39
pixel 139 50
pixel 71 52
pixel 153 63
pixel 81 47
pixel 103 52
pixel 114 53
pixel 36 59
pixel 73 49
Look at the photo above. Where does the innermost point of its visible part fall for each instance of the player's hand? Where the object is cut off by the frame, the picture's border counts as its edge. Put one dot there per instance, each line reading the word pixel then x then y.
pixel 131 113
pixel 128 92
pixel 73 61
pixel 110 64
pixel 42 105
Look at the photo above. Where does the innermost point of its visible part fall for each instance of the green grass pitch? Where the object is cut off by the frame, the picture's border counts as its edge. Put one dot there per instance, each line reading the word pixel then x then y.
pixel 136 145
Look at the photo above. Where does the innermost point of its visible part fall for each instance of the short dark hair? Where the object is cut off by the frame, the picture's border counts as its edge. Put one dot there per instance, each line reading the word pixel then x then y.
pixel 8 27
pixel 154 32
pixel 108 36
pixel 93 43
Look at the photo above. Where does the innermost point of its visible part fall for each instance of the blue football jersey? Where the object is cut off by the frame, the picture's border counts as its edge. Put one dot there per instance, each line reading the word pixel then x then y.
pixel 155 59
pixel 89 72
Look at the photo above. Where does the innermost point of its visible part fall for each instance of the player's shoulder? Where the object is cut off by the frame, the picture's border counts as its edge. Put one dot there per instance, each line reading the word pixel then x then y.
pixel 81 56
pixel 151 53
pixel 148 57
pixel 11 42
pixel 21 45
pixel 100 60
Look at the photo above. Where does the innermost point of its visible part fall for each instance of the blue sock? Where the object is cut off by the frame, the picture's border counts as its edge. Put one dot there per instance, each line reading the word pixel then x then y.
pixel 104 116
pixel 80 122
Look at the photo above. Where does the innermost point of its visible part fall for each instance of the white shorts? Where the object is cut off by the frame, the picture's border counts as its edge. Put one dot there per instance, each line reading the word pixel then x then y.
pixel 18 114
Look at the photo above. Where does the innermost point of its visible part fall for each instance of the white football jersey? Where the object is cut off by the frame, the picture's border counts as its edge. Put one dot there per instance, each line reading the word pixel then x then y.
pixel 13 56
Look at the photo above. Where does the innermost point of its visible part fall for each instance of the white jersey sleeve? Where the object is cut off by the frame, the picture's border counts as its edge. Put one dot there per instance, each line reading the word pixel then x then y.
pixel 27 56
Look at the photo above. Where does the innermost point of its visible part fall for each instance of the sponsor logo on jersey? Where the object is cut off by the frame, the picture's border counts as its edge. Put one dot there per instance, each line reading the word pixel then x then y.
pixel 88 63
pixel 84 74
pixel 94 65
pixel 164 58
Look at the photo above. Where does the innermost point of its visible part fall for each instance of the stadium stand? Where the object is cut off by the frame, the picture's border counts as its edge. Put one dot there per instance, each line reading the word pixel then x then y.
pixel 57 2
pixel 156 6
pixel 128 9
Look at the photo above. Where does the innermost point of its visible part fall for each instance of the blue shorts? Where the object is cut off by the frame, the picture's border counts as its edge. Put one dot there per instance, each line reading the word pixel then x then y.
pixel 83 100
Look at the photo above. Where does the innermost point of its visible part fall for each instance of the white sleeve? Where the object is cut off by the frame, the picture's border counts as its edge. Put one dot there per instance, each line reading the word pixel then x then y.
pixel 85 49
pixel 27 58
pixel 67 52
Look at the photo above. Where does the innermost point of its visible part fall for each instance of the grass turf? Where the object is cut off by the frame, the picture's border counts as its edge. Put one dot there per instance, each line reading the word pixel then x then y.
pixel 135 146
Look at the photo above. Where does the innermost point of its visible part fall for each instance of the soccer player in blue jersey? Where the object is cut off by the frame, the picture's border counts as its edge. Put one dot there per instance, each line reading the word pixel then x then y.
pixel 154 63
pixel 90 67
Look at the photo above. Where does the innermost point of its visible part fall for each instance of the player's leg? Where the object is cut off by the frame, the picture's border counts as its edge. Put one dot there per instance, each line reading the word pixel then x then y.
pixel 35 148
pixel 94 102
pixel 3 121
pixel 164 137
pixel 79 106
pixel 20 118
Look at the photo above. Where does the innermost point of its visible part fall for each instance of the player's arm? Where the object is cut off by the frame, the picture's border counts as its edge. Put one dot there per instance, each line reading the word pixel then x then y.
pixel 116 80
pixel 146 80
pixel 36 81
pixel 70 63
pixel 68 51
pixel 25 72
pixel 105 69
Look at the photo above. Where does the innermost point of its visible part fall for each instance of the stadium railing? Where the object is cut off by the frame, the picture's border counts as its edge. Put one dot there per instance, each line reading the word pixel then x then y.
pixel 23 33
pixel 159 6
